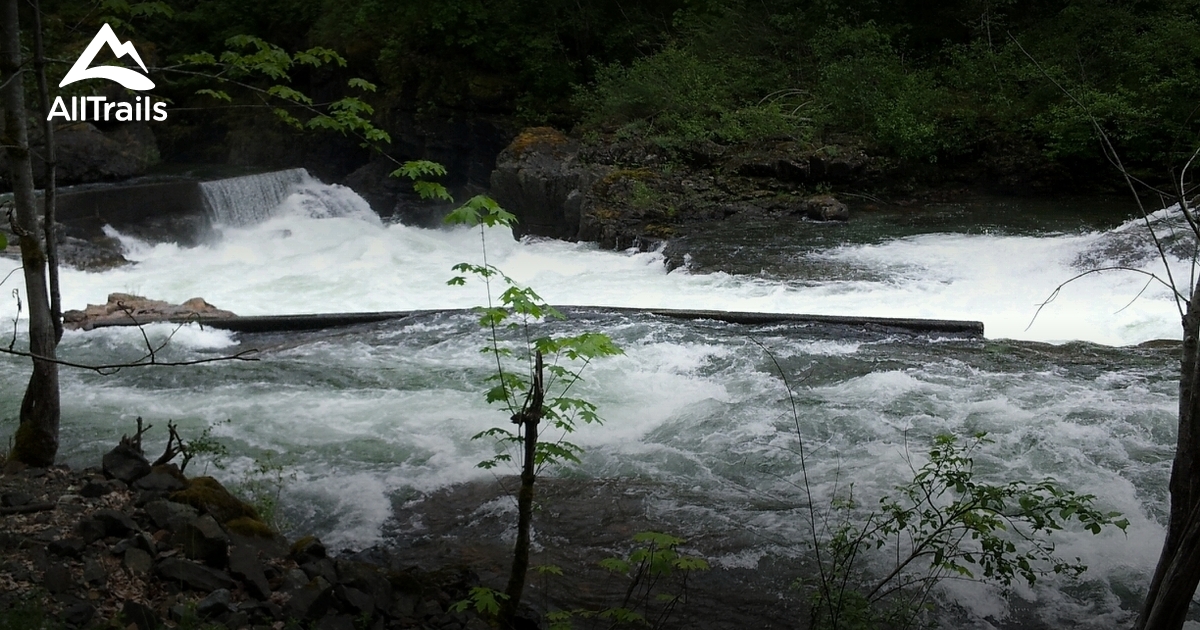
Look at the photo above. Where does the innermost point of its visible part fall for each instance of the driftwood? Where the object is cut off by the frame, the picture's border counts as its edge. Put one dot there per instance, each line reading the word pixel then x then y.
pixel 126 309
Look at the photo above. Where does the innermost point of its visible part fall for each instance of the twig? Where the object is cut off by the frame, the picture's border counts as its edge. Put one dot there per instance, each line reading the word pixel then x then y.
pixel 27 509
pixel 1059 288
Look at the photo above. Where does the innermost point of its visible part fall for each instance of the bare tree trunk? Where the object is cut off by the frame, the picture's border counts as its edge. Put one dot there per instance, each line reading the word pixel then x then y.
pixel 530 416
pixel 36 441
pixel 50 194
pixel 1178 571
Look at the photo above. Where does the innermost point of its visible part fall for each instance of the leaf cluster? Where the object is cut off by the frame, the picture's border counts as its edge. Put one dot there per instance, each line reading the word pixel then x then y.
pixel 946 523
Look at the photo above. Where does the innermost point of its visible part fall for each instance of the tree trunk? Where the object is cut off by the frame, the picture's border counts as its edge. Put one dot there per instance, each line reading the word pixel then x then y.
pixel 50 191
pixel 36 441
pixel 530 416
pixel 1178 572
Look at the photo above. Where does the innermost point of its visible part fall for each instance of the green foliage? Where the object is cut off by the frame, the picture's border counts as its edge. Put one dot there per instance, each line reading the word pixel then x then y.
pixel 484 600
pixel 27 612
pixel 261 486
pixel 654 565
pixel 676 97
pixel 944 523
pixel 263 68
pixel 3 241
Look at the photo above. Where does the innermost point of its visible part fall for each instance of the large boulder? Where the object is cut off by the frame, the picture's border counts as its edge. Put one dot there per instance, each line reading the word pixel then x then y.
pixel 540 179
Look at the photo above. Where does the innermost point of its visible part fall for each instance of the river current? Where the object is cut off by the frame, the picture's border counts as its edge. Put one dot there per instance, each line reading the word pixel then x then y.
pixel 371 418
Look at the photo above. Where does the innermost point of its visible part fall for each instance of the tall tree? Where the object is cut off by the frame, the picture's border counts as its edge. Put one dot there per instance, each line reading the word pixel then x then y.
pixel 36 440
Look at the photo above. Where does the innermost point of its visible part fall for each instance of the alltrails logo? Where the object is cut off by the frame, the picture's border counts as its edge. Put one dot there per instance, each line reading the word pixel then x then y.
pixel 141 109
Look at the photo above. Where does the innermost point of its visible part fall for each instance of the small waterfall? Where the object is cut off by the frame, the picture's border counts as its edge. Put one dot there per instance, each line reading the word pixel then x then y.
pixel 247 200
pixel 252 199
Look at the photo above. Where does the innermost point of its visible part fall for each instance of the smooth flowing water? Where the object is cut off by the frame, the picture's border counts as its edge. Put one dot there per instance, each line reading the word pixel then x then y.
pixel 371 417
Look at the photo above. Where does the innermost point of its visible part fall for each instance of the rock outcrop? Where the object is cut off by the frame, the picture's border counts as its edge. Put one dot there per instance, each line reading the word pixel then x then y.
pixel 88 154
pixel 125 309
pixel 628 194
pixel 102 549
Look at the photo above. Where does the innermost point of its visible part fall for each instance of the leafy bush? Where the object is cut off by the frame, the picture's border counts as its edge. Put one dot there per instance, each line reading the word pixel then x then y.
pixel 677 97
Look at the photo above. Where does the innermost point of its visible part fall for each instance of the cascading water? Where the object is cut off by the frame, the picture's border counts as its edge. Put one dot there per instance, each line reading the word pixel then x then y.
pixel 370 416
pixel 252 199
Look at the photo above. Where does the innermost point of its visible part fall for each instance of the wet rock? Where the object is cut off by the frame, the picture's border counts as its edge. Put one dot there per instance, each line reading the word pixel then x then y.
pixel 124 462
pixel 535 177
pixel 192 575
pixel 825 208
pixel 203 539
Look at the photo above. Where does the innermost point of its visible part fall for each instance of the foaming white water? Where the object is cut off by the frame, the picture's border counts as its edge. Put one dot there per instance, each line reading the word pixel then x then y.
pixel 293 263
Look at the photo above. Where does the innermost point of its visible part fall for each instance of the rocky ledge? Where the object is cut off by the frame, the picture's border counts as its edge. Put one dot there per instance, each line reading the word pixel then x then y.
pixel 141 546
pixel 630 194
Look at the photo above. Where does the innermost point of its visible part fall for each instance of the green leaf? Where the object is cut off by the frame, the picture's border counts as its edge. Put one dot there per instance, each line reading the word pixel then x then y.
pixel 220 95
pixel 3 241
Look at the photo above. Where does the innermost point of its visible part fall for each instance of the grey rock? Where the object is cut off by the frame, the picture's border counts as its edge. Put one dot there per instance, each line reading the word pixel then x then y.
pixel 307 550
pixel 193 575
pixel 536 176
pixel 115 523
pixel 67 547
pixel 78 614
pixel 323 568
pixel 335 622
pixel 94 573
pixel 825 208
pixel 94 489
pixel 139 615
pixel 170 515
pixel 125 463
pixel 15 499
pixel 310 601
pixel 138 561
pixel 244 565
pixel 159 481
pixel 354 600
pixel 203 539
pixel 90 529
pixel 57 578
pixel 216 603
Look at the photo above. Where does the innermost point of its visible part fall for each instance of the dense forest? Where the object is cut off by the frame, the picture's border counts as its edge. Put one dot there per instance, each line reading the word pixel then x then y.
pixel 913 83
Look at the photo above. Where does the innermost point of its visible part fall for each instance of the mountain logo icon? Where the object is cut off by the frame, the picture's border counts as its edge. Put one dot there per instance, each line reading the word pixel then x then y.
pixel 131 79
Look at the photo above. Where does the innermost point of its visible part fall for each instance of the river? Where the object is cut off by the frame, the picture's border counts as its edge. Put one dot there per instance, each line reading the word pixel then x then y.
pixel 369 419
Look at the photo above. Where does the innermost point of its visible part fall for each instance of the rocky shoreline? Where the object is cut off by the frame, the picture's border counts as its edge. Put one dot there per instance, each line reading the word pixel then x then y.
pixel 144 547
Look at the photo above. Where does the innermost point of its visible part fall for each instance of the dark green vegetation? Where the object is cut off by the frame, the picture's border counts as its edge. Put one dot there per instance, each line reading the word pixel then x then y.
pixel 916 83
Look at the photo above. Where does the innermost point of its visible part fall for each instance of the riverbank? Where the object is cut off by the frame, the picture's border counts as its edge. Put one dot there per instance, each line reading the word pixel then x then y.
pixel 134 546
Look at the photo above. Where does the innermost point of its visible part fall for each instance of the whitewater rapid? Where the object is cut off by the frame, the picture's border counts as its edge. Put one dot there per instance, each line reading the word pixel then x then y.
pixel 370 416
pixel 294 263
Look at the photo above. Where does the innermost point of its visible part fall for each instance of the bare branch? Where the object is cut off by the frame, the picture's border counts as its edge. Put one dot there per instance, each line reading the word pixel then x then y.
pixel 1059 288
pixel 113 368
